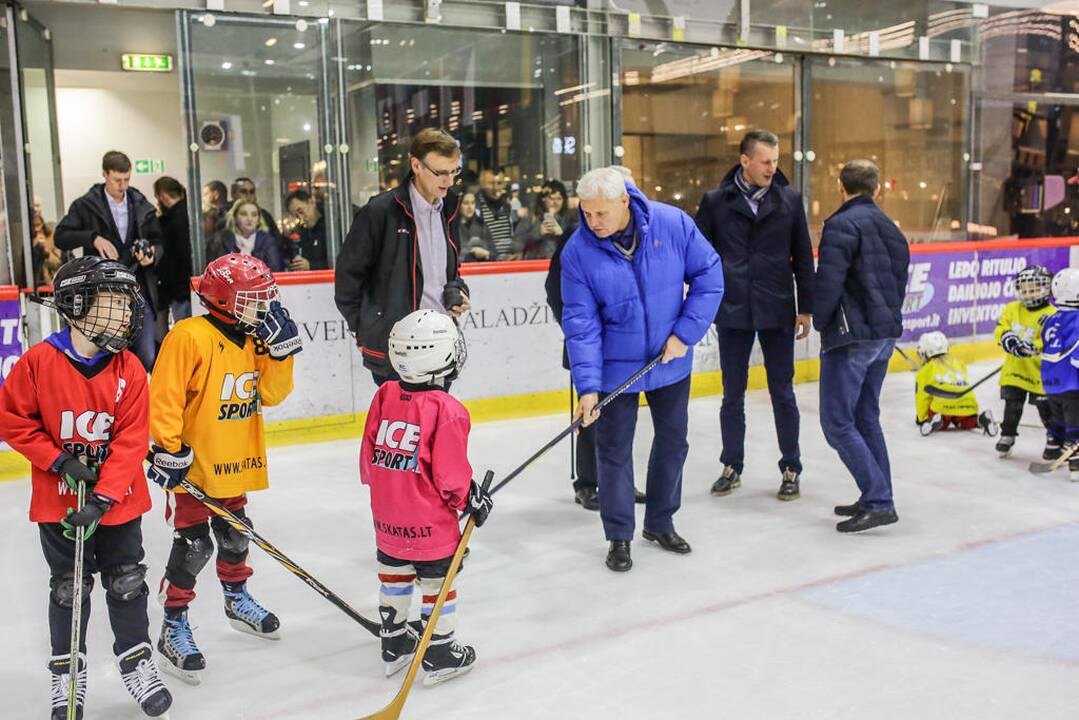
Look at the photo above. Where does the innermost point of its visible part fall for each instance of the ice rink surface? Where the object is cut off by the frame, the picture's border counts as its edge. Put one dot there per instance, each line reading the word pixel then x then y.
pixel 967 608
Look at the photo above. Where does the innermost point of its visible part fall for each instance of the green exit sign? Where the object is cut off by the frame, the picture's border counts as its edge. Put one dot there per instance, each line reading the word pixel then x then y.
pixel 141 62
pixel 149 167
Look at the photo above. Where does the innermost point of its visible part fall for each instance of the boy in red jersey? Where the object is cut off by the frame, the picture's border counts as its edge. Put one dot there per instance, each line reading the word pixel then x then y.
pixel 414 457
pixel 76 406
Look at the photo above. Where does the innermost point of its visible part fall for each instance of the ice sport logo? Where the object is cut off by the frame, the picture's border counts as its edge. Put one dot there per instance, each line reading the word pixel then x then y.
pixel 239 396
pixel 919 290
pixel 395 446
pixel 86 435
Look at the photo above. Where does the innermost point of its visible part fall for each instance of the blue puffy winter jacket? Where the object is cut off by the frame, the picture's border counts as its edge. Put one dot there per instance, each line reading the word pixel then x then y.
pixel 618 313
pixel 1060 352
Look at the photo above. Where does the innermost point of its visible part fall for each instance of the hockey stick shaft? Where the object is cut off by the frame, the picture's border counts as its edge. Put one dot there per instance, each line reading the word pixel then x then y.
pixel 76 613
pixel 238 524
pixel 956 394
pixel 577 423
pixel 913 365
pixel 393 710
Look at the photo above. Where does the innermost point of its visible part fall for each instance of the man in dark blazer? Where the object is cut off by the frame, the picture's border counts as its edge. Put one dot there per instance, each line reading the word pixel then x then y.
pixel 757 224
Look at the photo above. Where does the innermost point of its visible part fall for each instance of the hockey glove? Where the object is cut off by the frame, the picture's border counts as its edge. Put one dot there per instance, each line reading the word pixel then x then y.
pixel 479 503
pixel 169 469
pixel 278 330
pixel 73 472
pixel 1014 345
pixel 88 517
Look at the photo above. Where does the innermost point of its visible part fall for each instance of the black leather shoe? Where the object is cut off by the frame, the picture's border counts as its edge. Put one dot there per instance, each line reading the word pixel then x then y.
pixel 847 510
pixel 639 497
pixel 867 520
pixel 587 497
pixel 670 541
pixel 618 558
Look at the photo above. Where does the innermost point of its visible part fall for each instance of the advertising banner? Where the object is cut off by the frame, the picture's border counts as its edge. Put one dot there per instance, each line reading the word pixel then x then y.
pixel 10 332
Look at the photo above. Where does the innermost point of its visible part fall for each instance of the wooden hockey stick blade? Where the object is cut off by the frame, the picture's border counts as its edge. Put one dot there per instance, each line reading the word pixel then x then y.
pixel 956 394
pixel 1040 468
pixel 393 710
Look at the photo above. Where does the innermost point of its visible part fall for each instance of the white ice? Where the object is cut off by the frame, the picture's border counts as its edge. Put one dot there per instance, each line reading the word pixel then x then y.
pixel 967 608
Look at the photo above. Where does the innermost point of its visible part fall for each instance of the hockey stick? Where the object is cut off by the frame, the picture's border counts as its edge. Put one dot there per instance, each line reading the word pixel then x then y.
pixel 1040 468
pixel 956 394
pixel 577 423
pixel 247 531
pixel 393 710
pixel 76 613
pixel 913 365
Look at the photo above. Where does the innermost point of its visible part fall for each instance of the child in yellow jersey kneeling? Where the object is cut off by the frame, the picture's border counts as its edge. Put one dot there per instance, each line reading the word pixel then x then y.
pixel 213 376
pixel 947 372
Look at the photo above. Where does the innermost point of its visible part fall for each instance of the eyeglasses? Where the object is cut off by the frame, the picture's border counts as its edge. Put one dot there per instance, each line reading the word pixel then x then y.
pixel 453 174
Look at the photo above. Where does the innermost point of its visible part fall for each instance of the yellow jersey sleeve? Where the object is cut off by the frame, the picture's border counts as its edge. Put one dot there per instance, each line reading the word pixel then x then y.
pixel 174 373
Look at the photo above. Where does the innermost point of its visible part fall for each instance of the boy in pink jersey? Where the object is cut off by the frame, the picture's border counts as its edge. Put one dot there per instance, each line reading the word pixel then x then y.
pixel 414 458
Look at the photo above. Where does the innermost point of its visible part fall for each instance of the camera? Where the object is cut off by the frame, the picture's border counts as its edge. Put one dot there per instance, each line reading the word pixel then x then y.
pixel 142 245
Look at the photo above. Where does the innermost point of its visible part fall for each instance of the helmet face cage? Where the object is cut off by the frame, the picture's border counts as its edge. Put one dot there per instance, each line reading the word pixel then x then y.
pixel 110 316
pixel 1032 286
pixel 250 307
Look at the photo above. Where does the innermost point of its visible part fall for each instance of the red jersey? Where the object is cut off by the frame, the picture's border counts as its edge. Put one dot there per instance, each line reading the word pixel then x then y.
pixel 100 412
pixel 414 457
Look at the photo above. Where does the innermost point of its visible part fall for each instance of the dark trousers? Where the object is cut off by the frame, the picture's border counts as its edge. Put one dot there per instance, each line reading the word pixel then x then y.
pixel 614 454
pixel 735 347
pixel 1065 408
pixel 586 458
pixel 1014 399
pixel 850 380
pixel 110 547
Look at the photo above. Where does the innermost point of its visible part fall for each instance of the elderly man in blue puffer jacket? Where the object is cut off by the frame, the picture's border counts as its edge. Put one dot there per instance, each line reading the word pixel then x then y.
pixel 624 277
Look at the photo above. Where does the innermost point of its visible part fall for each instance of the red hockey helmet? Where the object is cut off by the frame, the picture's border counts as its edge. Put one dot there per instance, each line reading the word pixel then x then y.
pixel 238 290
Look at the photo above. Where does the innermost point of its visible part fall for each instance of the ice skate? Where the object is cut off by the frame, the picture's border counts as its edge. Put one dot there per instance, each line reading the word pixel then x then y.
pixel 1005 444
pixel 931 425
pixel 246 615
pixel 1053 449
pixel 988 424
pixel 177 652
pixel 446 659
pixel 398 648
pixel 140 677
pixel 60 668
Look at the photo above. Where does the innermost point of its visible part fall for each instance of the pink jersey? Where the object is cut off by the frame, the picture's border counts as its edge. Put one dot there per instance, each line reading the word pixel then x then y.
pixel 414 457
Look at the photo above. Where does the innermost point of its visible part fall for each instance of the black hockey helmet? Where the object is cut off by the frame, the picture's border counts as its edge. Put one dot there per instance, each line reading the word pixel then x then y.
pixel 76 287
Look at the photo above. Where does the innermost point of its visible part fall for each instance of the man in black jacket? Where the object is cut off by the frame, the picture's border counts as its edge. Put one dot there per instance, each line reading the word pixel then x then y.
pixel 757 224
pixel 117 222
pixel 860 286
pixel 174 274
pixel 401 253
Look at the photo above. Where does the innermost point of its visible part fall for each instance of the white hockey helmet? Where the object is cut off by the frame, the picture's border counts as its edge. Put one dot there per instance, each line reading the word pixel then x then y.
pixel 426 346
pixel 1066 288
pixel 1032 286
pixel 932 344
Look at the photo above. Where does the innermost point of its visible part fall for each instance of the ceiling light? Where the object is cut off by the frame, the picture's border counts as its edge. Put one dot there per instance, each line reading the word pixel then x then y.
pixel 268 61
pixel 298 46
pixel 270 42
pixel 226 65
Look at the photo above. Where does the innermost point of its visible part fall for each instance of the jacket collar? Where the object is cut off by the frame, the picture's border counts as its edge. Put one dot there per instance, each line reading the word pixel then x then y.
pixel 642 217
pixel 768 203
pixel 853 202
pixel 450 204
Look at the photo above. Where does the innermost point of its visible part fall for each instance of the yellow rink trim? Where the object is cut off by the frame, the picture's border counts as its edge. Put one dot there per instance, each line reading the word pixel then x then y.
pixel 509 407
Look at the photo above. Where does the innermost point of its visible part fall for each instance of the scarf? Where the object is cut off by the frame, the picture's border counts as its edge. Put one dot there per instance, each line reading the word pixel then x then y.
pixel 755 193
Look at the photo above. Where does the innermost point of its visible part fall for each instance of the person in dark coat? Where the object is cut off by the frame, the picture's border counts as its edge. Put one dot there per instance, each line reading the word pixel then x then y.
pixel 174 273
pixel 401 253
pixel 756 222
pixel 308 240
pixel 116 221
pixel 476 242
pixel 624 277
pixel 860 286
pixel 551 225
pixel 243 234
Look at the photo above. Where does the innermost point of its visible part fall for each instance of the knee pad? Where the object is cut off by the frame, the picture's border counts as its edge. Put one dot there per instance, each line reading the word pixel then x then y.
pixel 231 541
pixel 191 550
pixel 125 582
pixel 62 588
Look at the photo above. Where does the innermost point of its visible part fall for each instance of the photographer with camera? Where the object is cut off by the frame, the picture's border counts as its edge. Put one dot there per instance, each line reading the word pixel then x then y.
pixel 116 222
pixel 401 252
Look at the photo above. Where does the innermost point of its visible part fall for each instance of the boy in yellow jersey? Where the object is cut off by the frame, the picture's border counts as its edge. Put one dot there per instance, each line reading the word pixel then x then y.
pixel 948 373
pixel 1019 333
pixel 213 376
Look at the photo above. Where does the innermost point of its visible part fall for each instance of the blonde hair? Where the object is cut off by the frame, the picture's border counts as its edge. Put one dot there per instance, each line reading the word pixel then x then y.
pixel 230 216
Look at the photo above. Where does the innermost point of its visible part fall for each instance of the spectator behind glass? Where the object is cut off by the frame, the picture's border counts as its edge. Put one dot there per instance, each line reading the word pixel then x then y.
pixel 174 271
pixel 306 245
pixel 476 244
pixel 552 224
pixel 243 234
pixel 497 216
pixel 215 202
pixel 47 257
pixel 243 188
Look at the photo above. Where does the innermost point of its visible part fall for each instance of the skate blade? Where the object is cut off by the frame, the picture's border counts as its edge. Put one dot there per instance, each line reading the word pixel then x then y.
pixel 1005 454
pixel 437 677
pixel 245 628
pixel 392 668
pixel 191 677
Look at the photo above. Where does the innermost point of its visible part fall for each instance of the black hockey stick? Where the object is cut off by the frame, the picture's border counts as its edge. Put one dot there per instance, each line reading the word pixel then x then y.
pixel 247 531
pixel 577 423
pixel 956 394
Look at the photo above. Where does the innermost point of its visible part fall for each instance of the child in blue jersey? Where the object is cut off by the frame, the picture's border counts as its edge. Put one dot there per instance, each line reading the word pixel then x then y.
pixel 1060 360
